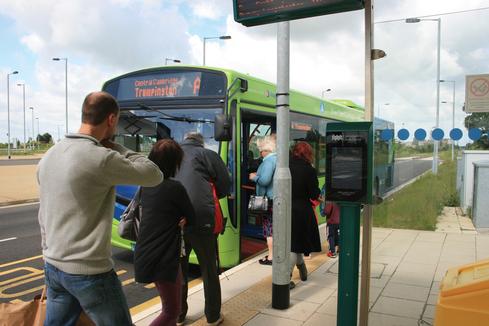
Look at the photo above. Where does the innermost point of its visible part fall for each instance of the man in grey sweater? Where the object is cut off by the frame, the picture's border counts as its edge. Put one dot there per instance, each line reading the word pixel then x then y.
pixel 77 179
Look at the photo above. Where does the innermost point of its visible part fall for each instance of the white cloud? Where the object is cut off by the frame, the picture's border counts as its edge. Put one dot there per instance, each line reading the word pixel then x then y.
pixel 210 9
pixel 205 9
pixel 34 42
pixel 105 38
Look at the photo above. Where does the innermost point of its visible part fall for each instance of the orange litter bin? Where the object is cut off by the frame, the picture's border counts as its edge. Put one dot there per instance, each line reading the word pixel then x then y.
pixel 464 296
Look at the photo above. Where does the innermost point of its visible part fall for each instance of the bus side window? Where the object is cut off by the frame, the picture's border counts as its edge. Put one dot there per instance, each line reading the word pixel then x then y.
pixel 306 128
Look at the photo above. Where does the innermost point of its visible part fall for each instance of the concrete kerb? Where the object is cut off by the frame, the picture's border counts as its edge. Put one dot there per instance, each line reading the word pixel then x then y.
pixel 18 202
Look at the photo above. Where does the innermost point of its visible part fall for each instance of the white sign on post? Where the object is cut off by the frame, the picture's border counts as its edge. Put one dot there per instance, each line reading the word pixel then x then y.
pixel 477 93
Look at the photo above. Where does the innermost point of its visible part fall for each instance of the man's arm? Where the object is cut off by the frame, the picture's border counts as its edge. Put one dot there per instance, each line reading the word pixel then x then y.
pixel 218 172
pixel 123 166
pixel 40 217
pixel 266 174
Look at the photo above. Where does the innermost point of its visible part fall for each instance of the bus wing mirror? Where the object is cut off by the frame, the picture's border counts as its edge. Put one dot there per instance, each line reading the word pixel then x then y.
pixel 223 128
pixel 243 85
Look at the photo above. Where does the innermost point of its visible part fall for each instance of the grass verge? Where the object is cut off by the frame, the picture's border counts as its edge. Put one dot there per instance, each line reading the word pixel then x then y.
pixel 418 205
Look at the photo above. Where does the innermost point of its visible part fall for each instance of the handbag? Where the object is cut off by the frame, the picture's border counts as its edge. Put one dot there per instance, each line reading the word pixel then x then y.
pixel 258 204
pixel 131 218
pixel 219 220
pixel 31 313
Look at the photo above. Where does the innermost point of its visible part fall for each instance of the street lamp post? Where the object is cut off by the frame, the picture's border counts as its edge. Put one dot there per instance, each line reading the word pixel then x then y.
pixel 23 98
pixel 224 37
pixel 325 91
pixel 171 60
pixel 435 147
pixel 32 145
pixel 8 111
pixel 38 133
pixel 66 88
pixel 453 109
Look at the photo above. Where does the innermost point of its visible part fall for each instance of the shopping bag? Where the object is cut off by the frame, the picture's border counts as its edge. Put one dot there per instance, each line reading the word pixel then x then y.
pixel 31 313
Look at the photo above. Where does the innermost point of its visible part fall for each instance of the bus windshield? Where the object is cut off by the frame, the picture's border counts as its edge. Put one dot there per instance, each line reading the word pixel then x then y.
pixel 138 130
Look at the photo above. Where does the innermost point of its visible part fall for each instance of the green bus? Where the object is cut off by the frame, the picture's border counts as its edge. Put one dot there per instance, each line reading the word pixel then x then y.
pixel 170 101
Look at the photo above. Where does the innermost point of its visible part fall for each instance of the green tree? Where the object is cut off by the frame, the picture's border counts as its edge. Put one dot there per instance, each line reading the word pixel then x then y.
pixel 45 138
pixel 478 120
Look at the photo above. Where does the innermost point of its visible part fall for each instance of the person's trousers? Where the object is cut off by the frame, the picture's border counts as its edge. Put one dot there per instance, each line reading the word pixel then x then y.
pixel 295 259
pixel 170 295
pixel 205 247
pixel 333 237
pixel 99 295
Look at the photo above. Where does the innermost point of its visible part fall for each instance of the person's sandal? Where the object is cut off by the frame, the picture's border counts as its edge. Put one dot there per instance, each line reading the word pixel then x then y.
pixel 265 261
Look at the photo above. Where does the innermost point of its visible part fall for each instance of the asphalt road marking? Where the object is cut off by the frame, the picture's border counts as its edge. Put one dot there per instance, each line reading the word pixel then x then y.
pixel 128 281
pixel 20 261
pixel 145 305
pixel 156 300
pixel 19 294
pixel 33 272
pixel 8 239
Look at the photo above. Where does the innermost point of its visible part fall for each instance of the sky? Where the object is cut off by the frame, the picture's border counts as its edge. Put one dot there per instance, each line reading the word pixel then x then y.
pixel 103 39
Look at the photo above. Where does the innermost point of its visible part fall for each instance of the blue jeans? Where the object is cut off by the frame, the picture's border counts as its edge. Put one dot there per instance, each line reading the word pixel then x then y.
pixel 99 295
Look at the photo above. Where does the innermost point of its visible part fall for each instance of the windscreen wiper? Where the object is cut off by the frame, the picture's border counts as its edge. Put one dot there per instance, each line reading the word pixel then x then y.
pixel 172 117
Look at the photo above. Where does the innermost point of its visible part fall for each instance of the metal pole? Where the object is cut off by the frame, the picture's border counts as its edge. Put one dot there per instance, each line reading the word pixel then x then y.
pixel 348 264
pixel 32 141
pixel 66 93
pixel 8 115
pixel 367 211
pixel 38 132
pixel 282 181
pixel 203 59
pixel 453 117
pixel 435 147
pixel 23 98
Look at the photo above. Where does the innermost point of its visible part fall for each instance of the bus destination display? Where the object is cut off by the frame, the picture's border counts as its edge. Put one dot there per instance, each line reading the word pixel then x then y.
pixel 156 86
pixel 257 12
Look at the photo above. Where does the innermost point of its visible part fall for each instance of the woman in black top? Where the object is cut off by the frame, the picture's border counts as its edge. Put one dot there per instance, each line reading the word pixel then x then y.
pixel 166 208
pixel 305 189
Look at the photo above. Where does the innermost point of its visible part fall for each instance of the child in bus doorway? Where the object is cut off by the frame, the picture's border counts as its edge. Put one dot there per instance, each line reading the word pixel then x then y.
pixel 332 212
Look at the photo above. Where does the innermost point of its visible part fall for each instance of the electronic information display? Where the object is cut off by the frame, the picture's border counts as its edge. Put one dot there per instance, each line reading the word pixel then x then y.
pixel 348 162
pixel 163 84
pixel 258 12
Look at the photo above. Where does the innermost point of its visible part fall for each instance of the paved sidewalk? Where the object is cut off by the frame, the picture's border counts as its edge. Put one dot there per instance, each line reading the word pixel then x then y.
pixel 19 184
pixel 452 220
pixel 407 267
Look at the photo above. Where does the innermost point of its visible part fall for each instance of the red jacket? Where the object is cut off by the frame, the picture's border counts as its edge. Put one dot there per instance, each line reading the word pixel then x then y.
pixel 332 211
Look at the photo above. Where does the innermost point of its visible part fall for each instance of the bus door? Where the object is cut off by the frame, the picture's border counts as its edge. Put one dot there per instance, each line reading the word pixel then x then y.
pixel 254 126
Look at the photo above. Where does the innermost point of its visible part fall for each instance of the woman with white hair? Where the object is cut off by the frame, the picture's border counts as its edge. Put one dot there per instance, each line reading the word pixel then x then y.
pixel 264 187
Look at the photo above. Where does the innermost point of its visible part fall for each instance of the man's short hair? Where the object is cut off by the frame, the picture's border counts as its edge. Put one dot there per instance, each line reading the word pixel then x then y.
pixel 97 107
pixel 197 136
